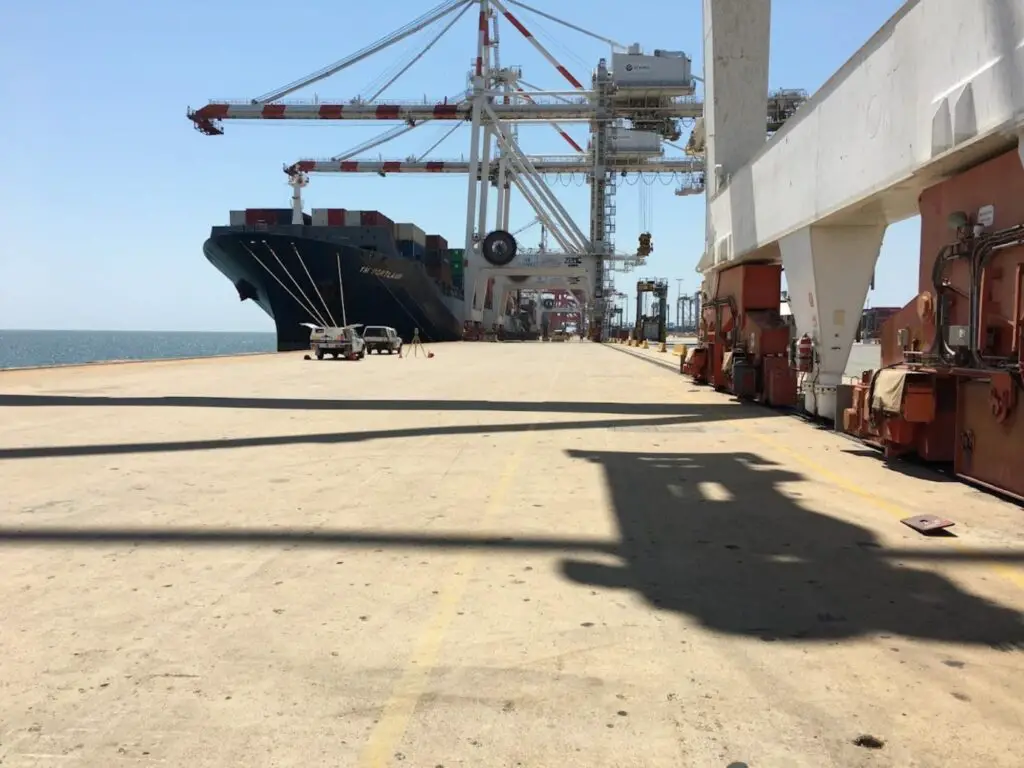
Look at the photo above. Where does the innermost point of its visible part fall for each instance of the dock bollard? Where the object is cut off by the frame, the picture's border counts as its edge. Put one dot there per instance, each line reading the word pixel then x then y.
pixel 662 347
pixel 646 345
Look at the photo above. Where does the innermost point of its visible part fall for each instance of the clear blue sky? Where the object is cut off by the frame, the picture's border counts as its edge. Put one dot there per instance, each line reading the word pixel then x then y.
pixel 109 193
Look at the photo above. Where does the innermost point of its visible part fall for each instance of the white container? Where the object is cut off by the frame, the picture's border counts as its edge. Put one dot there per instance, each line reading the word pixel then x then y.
pixel 319 217
pixel 237 218
pixel 413 233
pixel 353 218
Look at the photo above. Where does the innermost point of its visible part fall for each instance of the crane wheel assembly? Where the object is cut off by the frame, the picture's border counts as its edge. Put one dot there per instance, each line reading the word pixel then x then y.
pixel 744 341
pixel 499 248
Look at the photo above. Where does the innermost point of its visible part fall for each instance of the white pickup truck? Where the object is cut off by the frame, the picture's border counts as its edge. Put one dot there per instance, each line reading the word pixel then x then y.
pixel 337 342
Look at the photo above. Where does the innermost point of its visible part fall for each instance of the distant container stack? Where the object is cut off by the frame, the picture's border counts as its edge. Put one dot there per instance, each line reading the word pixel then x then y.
pixel 264 217
pixel 375 219
pixel 330 217
pixel 411 242
pixel 456 259
pixel 436 255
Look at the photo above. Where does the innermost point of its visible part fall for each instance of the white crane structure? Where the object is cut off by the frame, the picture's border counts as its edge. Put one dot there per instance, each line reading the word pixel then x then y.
pixel 937 89
pixel 633 105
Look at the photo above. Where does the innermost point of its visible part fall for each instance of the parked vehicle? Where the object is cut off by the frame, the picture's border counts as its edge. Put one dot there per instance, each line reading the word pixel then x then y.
pixel 382 338
pixel 337 342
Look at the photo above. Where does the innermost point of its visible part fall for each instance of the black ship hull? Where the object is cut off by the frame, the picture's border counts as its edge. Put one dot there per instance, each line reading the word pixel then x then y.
pixel 292 273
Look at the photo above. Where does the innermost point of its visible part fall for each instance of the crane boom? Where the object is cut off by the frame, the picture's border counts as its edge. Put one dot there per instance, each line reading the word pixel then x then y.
pixel 206 118
pixel 543 165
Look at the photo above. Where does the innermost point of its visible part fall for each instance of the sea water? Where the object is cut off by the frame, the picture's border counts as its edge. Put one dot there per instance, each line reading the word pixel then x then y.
pixel 20 349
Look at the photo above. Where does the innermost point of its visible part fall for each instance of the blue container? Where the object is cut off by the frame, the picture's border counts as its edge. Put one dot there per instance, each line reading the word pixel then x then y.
pixel 411 250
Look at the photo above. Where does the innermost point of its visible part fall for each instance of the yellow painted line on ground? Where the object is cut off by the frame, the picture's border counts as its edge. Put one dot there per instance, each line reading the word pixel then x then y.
pixel 398 710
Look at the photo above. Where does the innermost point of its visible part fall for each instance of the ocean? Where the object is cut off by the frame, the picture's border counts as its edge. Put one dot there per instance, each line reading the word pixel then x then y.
pixel 20 349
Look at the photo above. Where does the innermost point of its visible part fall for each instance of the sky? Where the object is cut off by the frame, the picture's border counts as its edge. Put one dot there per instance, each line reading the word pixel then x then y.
pixel 109 193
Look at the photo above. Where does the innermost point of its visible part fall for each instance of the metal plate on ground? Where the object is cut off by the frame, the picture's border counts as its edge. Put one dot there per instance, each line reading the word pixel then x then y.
pixel 927 523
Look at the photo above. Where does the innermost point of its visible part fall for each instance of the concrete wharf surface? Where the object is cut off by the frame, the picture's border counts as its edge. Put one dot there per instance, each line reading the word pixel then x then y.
pixel 507 555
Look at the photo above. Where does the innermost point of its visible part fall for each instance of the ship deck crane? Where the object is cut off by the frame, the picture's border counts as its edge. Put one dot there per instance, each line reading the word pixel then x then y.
pixel 494 104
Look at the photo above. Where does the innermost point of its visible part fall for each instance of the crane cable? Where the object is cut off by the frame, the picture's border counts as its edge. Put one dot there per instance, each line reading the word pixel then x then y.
pixel 420 55
pixel 411 28
pixel 437 143
pixel 646 207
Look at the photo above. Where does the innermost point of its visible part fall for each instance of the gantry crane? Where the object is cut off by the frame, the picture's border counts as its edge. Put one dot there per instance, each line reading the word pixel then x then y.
pixel 658 287
pixel 628 113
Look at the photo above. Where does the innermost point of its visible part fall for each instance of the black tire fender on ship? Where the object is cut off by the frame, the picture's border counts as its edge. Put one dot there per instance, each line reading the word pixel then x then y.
pixel 499 248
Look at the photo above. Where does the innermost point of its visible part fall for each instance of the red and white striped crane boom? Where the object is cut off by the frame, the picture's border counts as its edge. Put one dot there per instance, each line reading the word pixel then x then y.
pixel 542 164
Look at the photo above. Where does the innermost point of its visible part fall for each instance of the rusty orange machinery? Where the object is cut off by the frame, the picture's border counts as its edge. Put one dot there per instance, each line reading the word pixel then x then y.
pixel 743 342
pixel 950 388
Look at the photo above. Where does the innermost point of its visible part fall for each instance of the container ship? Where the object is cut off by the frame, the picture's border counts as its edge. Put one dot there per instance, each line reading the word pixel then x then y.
pixel 356 265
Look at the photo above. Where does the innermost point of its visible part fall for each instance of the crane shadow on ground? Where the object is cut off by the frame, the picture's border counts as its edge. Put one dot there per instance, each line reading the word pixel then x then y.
pixel 713 536
pixel 691 416
pixel 355 404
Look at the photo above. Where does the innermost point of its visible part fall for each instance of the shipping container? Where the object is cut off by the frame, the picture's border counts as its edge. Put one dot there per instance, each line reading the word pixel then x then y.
pixel 353 218
pixel 268 216
pixel 411 232
pixel 432 258
pixel 328 217
pixel 236 218
pixel 456 257
pixel 436 243
pixel 411 250
pixel 375 219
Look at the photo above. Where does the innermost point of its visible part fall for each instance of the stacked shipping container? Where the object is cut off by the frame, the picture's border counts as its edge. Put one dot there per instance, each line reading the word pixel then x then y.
pixel 252 217
pixel 445 265
pixel 434 259
pixel 411 241
pixel 456 259
pixel 341 217
pixel 329 217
